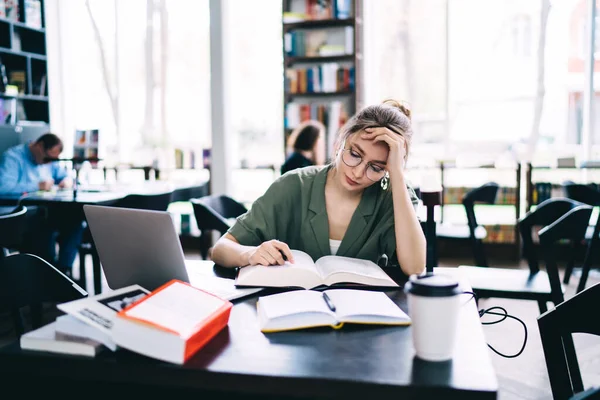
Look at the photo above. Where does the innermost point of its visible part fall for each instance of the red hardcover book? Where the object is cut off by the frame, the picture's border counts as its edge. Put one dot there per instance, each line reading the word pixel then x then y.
pixel 172 323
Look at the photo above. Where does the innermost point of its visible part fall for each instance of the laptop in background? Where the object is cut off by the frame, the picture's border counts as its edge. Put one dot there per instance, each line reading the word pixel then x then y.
pixel 142 247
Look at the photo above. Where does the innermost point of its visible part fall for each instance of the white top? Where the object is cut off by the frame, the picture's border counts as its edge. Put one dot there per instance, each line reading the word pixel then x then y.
pixel 334 245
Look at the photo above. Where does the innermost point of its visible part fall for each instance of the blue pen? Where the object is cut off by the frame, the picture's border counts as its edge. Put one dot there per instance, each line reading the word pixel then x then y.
pixel 328 302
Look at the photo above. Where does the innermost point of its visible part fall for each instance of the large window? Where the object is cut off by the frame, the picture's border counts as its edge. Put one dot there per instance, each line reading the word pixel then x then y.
pixel 141 76
pixel 502 73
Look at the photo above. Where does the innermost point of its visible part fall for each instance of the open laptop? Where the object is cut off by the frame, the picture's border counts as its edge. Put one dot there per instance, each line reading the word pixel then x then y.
pixel 142 247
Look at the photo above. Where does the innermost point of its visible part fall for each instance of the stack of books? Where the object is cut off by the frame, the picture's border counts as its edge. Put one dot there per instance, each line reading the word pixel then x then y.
pixel 170 323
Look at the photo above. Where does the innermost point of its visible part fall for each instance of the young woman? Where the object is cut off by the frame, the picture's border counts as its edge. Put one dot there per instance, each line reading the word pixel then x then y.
pixel 306 146
pixel 358 206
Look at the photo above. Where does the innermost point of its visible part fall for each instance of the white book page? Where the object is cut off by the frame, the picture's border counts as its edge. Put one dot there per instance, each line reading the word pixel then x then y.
pixel 365 306
pixel 329 266
pixel 294 302
pixel 100 310
pixel 302 273
pixel 178 307
pixel 220 287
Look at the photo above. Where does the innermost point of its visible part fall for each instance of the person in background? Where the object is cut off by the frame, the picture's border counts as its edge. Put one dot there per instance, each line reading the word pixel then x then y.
pixel 360 205
pixel 306 146
pixel 28 168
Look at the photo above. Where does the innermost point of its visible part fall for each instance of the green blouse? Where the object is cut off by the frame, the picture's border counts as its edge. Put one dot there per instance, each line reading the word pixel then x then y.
pixel 293 211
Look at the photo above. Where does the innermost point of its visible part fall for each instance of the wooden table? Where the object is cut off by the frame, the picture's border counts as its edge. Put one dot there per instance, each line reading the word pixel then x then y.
pixel 354 362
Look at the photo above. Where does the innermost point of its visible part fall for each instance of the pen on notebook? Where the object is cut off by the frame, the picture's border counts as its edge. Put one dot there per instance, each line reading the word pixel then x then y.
pixel 328 302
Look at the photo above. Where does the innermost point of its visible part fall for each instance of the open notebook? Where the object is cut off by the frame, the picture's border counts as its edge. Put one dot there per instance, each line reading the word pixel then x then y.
pixel 301 309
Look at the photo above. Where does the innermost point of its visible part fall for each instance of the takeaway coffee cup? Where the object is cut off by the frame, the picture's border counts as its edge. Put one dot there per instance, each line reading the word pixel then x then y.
pixel 433 305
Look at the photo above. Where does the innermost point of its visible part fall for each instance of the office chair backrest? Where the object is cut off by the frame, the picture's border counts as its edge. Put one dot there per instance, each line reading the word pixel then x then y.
pixel 12 229
pixel 582 193
pixel 28 280
pixel 543 215
pixel 556 326
pixel 485 193
pixel 155 202
pixel 212 212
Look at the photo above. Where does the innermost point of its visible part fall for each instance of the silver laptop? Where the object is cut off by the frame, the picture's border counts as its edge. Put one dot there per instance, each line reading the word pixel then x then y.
pixel 136 246
pixel 142 247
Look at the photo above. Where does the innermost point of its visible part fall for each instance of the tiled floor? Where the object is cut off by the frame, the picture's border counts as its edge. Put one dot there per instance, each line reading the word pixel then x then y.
pixel 524 377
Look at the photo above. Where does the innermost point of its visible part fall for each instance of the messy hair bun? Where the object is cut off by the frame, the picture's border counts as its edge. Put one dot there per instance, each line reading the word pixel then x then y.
pixel 398 105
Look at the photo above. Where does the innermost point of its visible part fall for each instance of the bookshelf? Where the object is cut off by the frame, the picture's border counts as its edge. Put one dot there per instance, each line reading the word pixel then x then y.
pixel 546 181
pixel 322 55
pixel 23 70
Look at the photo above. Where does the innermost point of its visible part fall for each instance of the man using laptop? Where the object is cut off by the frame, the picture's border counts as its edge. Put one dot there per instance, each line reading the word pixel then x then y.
pixel 27 168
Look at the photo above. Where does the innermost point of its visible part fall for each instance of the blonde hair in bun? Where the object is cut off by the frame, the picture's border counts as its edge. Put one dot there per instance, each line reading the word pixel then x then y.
pixel 400 106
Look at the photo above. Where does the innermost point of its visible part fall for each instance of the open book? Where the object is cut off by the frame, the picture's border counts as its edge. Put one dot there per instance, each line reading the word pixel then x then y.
pixel 308 274
pixel 308 308
pixel 99 313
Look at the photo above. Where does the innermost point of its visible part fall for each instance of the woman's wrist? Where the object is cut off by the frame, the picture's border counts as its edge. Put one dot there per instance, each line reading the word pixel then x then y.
pixel 245 256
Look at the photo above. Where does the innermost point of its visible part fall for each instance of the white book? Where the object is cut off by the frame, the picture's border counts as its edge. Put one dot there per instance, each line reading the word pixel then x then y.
pixel 70 325
pixel 100 311
pixel 172 323
pixel 301 309
pixel 308 274
pixel 48 339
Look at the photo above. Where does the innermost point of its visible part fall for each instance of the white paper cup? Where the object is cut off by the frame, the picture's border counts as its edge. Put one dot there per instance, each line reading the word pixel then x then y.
pixel 433 306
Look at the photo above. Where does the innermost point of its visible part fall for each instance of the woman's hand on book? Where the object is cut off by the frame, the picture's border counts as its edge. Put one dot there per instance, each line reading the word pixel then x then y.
pixel 268 253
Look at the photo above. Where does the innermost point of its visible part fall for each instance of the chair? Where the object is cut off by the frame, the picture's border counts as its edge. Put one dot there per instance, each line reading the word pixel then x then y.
pixel 212 214
pixel 156 202
pixel 556 326
pixel 589 195
pixel 561 219
pixel 27 280
pixel 473 231
pixel 12 230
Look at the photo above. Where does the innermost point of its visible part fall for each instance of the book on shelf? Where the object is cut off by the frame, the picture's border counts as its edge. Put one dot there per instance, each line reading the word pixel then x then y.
pixel 48 339
pixel 33 13
pixel 99 312
pixel 302 309
pixel 324 78
pixel 331 41
pixel 309 274
pixel 172 323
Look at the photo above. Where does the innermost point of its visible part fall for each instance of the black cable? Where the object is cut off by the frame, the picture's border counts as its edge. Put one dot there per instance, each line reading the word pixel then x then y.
pixel 503 316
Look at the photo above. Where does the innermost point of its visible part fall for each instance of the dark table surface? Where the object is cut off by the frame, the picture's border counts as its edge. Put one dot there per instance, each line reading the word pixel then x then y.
pixel 108 194
pixel 356 361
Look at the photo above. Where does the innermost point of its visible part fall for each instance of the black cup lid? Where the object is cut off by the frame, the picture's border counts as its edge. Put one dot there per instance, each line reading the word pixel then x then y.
pixel 432 285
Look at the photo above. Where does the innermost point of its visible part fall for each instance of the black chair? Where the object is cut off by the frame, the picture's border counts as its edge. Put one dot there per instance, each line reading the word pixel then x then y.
pixel 472 231
pixel 154 201
pixel 212 214
pixel 574 315
pixel 587 194
pixel 561 219
pixel 27 280
pixel 12 230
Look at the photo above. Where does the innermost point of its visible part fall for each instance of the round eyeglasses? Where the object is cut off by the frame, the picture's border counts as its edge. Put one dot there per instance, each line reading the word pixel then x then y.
pixel 353 159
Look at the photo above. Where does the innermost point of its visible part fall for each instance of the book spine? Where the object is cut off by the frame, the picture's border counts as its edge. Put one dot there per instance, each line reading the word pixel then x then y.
pixel 213 326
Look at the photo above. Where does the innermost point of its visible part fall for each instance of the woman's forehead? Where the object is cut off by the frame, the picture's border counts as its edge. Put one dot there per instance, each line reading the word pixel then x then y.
pixel 374 150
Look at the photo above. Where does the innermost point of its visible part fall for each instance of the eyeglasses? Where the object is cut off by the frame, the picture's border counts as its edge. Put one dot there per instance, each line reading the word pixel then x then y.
pixel 352 159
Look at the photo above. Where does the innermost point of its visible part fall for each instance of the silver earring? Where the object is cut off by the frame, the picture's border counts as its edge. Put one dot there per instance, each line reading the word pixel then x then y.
pixel 385 181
